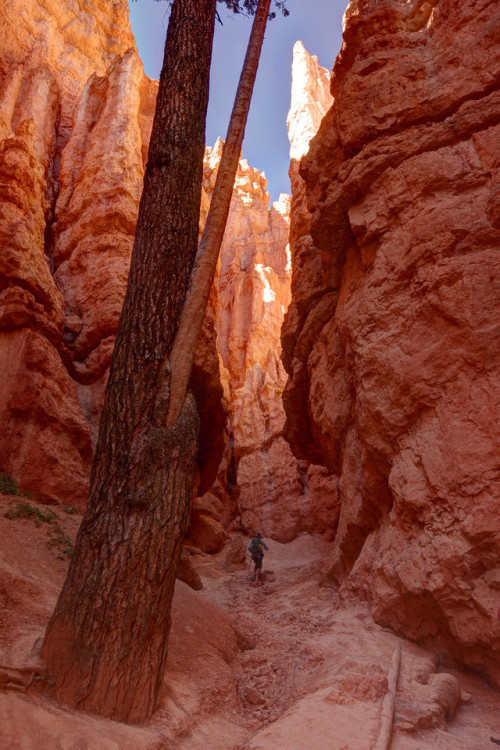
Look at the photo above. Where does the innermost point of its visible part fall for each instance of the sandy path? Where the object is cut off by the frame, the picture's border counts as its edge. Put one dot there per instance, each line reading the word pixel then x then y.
pixel 279 666
pixel 312 676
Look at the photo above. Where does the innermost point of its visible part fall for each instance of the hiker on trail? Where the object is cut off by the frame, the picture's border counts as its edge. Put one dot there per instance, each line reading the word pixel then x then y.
pixel 256 549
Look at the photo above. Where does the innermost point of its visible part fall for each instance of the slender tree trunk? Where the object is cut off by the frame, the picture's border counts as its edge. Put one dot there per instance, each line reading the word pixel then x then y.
pixel 106 644
pixel 202 277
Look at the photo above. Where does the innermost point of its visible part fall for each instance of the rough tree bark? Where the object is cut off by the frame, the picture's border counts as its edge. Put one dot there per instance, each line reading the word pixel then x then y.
pixel 106 643
pixel 202 277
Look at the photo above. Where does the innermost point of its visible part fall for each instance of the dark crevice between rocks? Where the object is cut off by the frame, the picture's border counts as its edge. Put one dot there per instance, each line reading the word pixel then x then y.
pixel 53 187
pixel 48 235
pixel 232 469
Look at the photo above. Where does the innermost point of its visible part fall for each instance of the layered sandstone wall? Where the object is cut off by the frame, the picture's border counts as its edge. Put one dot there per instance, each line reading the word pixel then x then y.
pixel 102 169
pixel 76 113
pixel 76 116
pixel 73 39
pixel 47 52
pixel 260 484
pixel 88 111
pixel 393 345
pixel 271 490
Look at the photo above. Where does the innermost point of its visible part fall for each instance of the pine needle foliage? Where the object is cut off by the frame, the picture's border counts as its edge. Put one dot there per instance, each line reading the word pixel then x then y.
pixel 248 7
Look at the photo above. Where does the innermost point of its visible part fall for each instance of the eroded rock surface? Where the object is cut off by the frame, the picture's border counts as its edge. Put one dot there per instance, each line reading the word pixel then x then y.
pixel 47 52
pixel 392 342
pixel 72 39
pixel 101 176
pixel 76 117
pixel 75 121
pixel 277 494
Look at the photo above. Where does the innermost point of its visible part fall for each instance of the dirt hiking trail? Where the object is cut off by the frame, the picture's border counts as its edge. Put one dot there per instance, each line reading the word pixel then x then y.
pixel 276 666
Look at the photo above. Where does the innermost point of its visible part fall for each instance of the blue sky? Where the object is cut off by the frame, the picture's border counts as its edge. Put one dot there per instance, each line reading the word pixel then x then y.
pixel 318 23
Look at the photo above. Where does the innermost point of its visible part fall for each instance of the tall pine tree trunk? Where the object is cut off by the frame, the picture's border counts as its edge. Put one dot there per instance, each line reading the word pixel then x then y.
pixel 202 277
pixel 106 643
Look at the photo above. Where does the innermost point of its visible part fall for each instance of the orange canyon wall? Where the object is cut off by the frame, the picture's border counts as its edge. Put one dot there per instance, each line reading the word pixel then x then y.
pixel 392 341
pixel 48 50
pixel 276 493
pixel 75 118
pixel 75 121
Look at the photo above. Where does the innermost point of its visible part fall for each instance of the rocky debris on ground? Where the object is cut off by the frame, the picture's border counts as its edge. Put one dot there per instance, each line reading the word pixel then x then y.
pixel 281 665
pixel 187 573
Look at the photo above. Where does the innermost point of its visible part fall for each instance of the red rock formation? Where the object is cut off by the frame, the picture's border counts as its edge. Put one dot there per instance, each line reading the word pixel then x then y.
pixel 101 179
pixel 101 176
pixel 72 39
pixel 47 52
pixel 76 139
pixel 393 347
pixel 89 162
pixel 276 494
pixel 311 99
pixel 39 413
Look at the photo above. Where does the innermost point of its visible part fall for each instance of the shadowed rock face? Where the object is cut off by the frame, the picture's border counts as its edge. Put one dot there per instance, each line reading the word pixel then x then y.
pixel 392 344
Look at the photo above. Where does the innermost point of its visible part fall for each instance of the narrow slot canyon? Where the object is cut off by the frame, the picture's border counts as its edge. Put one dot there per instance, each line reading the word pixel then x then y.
pixel 346 381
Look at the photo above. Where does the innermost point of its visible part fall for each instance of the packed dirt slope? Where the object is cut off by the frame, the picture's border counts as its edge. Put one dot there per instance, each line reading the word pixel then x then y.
pixel 392 339
pixel 273 667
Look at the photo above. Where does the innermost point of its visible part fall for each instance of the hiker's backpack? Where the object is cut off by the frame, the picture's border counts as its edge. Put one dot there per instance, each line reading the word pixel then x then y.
pixel 256 547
